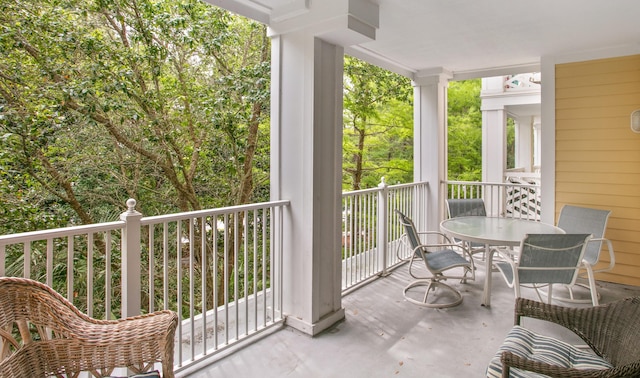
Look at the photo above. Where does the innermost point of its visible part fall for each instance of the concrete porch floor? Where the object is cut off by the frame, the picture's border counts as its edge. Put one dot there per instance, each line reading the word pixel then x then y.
pixel 384 335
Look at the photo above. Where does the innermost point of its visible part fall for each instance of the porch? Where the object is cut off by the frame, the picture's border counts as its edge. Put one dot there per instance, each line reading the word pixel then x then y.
pixel 222 270
pixel 384 335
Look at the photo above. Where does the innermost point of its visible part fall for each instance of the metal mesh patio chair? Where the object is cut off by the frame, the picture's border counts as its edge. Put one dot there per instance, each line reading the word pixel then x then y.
pixel 545 260
pixel 467 207
pixel 42 334
pixel 439 256
pixel 611 331
pixel 576 219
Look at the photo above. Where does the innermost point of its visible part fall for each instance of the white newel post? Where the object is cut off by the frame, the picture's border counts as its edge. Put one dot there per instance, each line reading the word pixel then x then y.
pixel 383 225
pixel 131 286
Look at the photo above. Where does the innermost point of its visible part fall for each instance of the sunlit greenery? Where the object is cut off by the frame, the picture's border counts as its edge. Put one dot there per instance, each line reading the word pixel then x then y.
pixel 377 126
pixel 166 101
pixel 163 101
pixel 465 131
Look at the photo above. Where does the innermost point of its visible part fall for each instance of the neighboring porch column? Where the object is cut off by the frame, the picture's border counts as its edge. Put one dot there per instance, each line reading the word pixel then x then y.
pixel 430 144
pixel 306 168
pixel 536 144
pixel 524 142
pixel 494 153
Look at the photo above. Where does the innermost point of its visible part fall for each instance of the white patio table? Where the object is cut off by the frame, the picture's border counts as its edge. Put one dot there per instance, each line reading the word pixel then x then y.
pixel 494 231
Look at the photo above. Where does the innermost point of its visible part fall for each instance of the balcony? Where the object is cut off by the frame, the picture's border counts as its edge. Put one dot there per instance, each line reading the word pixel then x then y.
pixel 221 270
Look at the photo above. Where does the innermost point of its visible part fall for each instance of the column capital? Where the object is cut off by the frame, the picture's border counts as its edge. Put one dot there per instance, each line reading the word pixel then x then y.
pixel 432 76
pixel 342 23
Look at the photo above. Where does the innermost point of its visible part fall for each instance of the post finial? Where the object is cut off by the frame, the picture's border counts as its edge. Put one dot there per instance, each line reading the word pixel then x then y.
pixel 131 205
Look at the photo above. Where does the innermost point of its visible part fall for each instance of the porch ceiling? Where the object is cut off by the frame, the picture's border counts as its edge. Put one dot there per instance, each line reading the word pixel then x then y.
pixel 469 38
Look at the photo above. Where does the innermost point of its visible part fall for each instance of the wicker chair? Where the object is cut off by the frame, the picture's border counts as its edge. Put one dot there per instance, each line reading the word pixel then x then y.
pixel 612 331
pixel 42 334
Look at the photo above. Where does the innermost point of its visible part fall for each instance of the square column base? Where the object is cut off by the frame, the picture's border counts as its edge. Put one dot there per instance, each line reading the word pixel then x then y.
pixel 317 327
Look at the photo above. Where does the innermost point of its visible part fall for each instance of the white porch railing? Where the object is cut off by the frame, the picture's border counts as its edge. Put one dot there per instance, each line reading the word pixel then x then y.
pixel 512 199
pixel 219 269
pixel 371 230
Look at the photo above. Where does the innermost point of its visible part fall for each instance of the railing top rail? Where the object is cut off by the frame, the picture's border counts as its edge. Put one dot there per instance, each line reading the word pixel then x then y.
pixel 399 186
pixel 484 183
pixel 145 221
pixel 60 232
pixel 361 191
pixel 118 225
pixel 390 187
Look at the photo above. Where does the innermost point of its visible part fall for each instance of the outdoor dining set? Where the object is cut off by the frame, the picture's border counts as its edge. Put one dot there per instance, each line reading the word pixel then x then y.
pixel 534 255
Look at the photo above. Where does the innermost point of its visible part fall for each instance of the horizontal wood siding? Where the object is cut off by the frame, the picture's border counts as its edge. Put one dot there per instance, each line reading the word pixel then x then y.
pixel 597 154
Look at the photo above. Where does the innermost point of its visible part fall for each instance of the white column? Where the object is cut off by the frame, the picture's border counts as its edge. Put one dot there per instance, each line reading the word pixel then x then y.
pixel 494 153
pixel 430 143
pixel 306 163
pixel 548 141
pixel 536 143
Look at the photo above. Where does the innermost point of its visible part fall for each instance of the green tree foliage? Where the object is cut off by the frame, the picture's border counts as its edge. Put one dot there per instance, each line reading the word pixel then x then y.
pixel 377 127
pixel 511 143
pixel 164 101
pixel 465 131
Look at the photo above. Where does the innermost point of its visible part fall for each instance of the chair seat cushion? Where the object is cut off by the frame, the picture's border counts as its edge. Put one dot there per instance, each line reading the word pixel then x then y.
pixel 535 347
pixel 445 259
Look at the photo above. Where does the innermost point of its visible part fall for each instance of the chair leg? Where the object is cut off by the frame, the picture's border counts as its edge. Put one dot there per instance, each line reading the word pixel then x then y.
pixel 572 298
pixel 592 287
pixel 595 296
pixel 432 285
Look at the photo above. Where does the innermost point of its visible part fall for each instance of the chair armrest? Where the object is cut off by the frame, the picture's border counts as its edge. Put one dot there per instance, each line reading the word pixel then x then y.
pixel 440 246
pixel 443 235
pixel 543 311
pixel 136 342
pixel 612 257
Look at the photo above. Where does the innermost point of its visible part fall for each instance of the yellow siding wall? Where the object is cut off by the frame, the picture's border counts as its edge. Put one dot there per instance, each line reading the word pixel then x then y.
pixel 597 154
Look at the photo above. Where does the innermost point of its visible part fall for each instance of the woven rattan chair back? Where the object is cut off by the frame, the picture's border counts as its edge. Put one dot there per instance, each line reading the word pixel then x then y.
pixel 613 331
pixel 43 334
